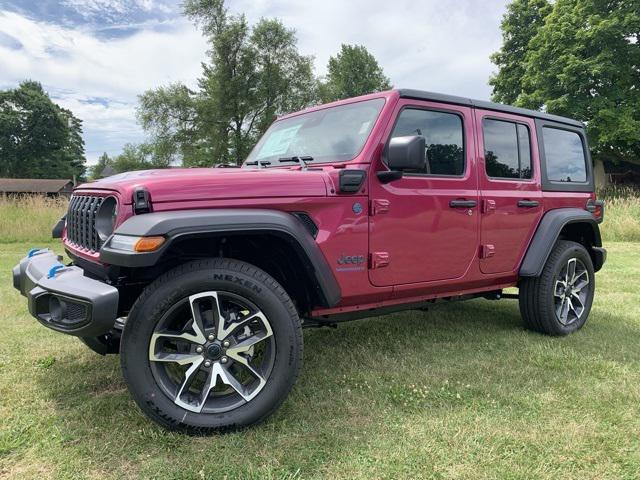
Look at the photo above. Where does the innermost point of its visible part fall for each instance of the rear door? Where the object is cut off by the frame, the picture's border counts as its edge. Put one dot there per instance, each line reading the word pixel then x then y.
pixel 424 226
pixel 510 188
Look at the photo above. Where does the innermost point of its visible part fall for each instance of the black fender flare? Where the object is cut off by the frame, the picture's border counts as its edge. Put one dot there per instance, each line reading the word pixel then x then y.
pixel 547 234
pixel 175 225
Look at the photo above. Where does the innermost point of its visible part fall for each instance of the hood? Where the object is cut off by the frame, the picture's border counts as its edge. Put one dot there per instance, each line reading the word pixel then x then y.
pixel 189 184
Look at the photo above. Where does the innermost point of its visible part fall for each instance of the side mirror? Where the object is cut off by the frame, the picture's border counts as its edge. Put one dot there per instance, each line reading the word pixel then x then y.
pixel 407 153
pixel 404 153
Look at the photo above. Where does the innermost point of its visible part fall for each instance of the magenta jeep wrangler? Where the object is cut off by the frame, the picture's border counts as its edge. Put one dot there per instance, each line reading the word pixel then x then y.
pixel 202 279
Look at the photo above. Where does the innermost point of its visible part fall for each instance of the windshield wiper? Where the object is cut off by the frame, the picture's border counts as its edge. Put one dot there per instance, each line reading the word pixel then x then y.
pixel 302 161
pixel 259 163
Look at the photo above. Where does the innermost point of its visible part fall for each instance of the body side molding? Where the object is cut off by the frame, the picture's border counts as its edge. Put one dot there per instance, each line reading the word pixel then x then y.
pixel 179 224
pixel 547 234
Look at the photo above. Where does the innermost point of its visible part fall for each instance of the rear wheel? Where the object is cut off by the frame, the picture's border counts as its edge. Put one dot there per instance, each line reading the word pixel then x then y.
pixel 210 346
pixel 558 302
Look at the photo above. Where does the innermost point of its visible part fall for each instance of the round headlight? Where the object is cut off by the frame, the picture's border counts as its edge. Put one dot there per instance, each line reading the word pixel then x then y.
pixel 106 218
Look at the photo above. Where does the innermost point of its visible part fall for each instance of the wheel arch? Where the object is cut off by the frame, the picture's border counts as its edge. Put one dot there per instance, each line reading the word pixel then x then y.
pixel 277 242
pixel 567 224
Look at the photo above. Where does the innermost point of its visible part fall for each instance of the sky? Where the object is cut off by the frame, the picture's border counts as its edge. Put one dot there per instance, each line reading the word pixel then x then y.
pixel 95 57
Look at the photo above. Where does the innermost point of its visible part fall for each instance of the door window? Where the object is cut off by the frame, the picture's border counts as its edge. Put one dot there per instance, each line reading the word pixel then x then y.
pixel 444 139
pixel 507 149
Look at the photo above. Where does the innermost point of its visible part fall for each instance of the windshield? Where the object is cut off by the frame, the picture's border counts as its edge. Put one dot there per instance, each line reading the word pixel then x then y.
pixel 327 135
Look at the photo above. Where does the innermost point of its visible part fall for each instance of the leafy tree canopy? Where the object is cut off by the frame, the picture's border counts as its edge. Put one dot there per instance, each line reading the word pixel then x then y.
pixel 38 139
pixel 133 157
pixel 352 72
pixel 583 62
pixel 253 74
pixel 519 25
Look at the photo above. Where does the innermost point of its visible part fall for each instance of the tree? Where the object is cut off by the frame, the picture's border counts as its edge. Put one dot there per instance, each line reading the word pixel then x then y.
pixel 169 115
pixel 253 75
pixel 133 157
pixel 38 139
pixel 519 25
pixel 352 72
pixel 95 171
pixel 583 63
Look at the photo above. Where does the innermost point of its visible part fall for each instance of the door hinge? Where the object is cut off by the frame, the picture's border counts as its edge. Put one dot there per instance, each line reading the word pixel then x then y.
pixel 487 251
pixel 488 206
pixel 378 260
pixel 378 206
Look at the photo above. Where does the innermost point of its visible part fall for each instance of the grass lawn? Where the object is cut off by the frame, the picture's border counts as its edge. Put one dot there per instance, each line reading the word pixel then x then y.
pixel 460 391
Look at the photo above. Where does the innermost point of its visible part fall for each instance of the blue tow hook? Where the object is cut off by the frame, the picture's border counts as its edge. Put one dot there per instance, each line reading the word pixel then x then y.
pixel 53 270
pixel 32 252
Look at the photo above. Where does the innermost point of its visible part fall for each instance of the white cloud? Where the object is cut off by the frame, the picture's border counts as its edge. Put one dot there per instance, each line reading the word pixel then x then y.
pixel 75 66
pixel 438 45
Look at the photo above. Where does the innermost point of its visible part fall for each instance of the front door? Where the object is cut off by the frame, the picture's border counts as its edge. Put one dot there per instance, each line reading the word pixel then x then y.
pixel 510 189
pixel 424 226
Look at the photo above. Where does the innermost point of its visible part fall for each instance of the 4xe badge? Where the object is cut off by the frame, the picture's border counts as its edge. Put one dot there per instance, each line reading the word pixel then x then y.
pixel 350 263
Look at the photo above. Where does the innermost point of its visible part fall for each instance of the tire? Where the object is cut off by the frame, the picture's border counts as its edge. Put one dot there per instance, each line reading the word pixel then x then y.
pixel 187 378
pixel 544 300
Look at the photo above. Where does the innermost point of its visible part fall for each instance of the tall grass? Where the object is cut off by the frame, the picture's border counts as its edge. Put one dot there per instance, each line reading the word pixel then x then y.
pixel 622 214
pixel 29 218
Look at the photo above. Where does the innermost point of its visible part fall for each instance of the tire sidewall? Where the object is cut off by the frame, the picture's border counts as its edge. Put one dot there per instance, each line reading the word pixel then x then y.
pixel 169 289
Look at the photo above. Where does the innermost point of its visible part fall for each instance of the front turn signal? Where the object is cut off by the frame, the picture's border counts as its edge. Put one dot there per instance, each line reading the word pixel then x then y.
pixel 148 244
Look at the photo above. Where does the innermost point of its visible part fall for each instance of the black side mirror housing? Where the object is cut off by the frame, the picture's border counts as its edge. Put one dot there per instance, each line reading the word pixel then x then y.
pixel 404 153
pixel 407 153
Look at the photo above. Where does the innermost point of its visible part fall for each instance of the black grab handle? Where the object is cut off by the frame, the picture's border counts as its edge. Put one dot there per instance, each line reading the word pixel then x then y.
pixel 462 203
pixel 528 203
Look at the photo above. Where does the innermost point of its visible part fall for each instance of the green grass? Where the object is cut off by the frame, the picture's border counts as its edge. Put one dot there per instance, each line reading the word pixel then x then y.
pixel 460 391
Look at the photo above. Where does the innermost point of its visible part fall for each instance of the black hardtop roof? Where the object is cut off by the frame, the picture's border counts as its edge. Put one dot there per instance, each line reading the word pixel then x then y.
pixel 440 97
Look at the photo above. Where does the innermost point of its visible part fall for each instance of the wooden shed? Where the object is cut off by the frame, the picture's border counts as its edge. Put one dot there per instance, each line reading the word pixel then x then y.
pixel 36 186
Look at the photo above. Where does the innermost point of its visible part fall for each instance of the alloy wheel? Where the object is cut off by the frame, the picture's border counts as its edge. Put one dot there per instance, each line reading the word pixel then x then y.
pixel 571 291
pixel 212 352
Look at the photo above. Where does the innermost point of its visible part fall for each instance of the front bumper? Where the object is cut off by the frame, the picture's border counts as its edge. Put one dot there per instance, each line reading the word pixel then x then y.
pixel 63 298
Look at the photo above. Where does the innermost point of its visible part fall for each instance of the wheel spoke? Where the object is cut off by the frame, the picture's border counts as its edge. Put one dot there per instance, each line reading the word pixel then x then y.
pixel 559 288
pixel 571 271
pixel 227 377
pixel 199 324
pixel 577 276
pixel 580 286
pixel 576 298
pixel 563 310
pixel 177 357
pixel 189 377
pixel 224 332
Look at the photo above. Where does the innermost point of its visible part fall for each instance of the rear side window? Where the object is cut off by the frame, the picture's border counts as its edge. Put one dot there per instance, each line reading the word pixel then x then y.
pixel 507 149
pixel 565 155
pixel 444 139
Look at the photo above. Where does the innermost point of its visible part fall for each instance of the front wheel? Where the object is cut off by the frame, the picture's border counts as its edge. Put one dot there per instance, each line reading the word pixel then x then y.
pixel 210 346
pixel 558 302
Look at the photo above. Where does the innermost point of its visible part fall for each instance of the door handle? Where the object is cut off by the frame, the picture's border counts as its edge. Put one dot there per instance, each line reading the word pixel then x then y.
pixel 462 203
pixel 528 203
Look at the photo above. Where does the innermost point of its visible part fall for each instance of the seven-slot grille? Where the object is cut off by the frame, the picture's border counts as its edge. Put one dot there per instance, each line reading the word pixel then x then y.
pixel 81 221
